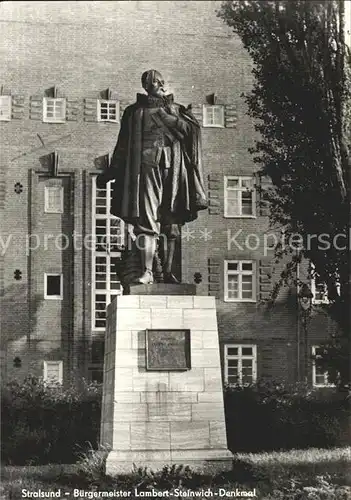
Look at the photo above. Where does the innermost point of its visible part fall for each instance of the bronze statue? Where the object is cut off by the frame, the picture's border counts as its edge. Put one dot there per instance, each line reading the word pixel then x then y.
pixel 157 169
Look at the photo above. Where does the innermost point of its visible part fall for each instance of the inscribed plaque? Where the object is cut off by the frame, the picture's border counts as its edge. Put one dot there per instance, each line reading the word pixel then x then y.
pixel 168 350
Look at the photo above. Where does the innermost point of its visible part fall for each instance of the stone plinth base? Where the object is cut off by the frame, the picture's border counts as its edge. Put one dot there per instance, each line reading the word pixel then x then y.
pixel 200 461
pixel 157 418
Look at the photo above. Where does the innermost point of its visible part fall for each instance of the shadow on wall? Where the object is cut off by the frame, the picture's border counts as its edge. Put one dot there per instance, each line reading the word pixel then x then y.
pixel 22 353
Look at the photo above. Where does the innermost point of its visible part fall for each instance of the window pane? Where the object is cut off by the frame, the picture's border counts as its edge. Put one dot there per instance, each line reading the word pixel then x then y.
pixel 232 266
pixel 232 363
pixel 247 266
pixel 5 107
pixel 232 183
pixel 232 208
pixel 53 371
pixel 247 363
pixel 218 115
pixel 53 285
pixel 233 287
pixel 100 285
pixel 246 202
pixel 232 351
pixel 246 351
pixel 53 199
pixel 246 378
pixel 100 276
pixel 246 183
pixel 320 379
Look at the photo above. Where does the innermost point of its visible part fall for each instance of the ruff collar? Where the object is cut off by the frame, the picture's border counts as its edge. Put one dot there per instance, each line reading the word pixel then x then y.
pixel 149 101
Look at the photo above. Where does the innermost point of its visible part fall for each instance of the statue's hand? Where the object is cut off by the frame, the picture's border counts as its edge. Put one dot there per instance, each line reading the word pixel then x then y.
pixel 172 109
pixel 169 119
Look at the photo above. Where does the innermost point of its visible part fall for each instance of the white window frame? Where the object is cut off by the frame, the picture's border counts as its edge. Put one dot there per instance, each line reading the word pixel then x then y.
pixel 240 273
pixel 108 254
pixel 315 300
pixel 108 102
pixel 313 286
pixel 47 209
pixel 53 119
pixel 60 371
pixel 205 110
pixel 240 357
pixel 53 297
pixel 239 190
pixel 5 105
pixel 314 371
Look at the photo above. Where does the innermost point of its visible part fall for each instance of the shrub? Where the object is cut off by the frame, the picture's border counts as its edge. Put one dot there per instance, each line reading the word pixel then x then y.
pixel 42 424
pixel 268 416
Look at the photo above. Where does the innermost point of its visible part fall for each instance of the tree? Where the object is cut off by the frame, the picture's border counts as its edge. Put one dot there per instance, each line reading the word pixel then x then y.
pixel 301 103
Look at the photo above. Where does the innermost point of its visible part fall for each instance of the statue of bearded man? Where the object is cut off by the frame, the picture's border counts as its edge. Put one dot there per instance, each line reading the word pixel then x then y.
pixel 157 169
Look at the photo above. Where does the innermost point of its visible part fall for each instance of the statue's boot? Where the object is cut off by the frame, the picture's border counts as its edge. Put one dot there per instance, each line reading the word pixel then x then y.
pixel 147 251
pixel 168 277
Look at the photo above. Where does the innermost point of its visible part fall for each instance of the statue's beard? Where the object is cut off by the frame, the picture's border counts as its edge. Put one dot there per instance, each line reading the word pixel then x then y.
pixel 157 92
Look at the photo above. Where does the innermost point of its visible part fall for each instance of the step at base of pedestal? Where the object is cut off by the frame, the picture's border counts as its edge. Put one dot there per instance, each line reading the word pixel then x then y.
pixel 210 461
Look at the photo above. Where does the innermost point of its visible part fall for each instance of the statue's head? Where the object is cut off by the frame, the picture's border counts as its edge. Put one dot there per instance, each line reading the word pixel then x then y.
pixel 153 82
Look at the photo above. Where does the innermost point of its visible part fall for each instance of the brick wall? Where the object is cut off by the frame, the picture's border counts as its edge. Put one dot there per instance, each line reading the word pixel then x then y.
pixel 84 48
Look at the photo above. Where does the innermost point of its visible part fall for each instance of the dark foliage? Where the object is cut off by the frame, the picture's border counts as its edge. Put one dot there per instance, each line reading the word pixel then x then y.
pixel 42 424
pixel 270 416
pixel 301 104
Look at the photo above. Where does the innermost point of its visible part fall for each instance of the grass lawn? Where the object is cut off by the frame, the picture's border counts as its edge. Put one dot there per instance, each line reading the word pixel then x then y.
pixel 313 474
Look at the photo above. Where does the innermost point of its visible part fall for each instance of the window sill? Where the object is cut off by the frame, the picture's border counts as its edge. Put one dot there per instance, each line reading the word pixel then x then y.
pixel 241 301
pixel 53 297
pixel 54 121
pixel 240 216
pixel 324 386
pixel 99 120
pixel 213 126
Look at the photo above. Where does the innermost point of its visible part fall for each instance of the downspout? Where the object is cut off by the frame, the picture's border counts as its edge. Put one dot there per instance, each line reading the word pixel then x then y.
pixel 298 331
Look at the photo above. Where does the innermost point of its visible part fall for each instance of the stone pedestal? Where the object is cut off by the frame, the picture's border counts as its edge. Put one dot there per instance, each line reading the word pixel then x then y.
pixel 157 418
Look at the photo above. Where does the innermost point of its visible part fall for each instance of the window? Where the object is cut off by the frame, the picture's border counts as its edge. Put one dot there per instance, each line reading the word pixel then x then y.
pixel 239 197
pixel 240 364
pixel 319 376
pixel 53 203
pixel 108 234
pixel 54 110
pixel 239 281
pixel 213 116
pixel 53 286
pixel 319 290
pixel 53 372
pixel 5 108
pixel 108 111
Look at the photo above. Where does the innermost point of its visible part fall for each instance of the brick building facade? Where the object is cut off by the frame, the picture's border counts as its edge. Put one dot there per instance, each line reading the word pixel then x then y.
pixel 70 69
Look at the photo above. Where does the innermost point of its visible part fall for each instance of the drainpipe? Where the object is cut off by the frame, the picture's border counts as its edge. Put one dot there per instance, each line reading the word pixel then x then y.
pixel 298 331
